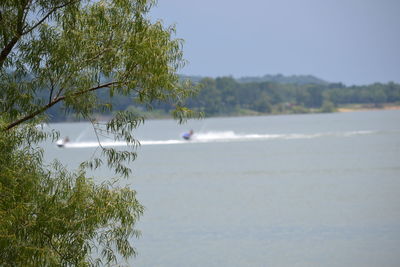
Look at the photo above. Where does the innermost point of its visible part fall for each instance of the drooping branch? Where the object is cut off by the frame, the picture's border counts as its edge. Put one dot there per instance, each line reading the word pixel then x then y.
pixel 48 15
pixel 53 102
pixel 7 49
pixel 18 33
pixel 51 89
pixel 25 14
pixel 21 27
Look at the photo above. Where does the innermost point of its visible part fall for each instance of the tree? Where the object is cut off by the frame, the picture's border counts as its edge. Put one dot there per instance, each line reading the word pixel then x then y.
pixel 64 51
pixel 262 103
pixel 327 107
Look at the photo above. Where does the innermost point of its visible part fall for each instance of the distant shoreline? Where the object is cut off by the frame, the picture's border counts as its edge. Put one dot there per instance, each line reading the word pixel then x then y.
pixel 354 108
pixel 341 109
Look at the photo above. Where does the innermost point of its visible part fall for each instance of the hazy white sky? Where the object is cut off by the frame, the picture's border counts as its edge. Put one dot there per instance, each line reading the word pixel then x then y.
pixel 350 41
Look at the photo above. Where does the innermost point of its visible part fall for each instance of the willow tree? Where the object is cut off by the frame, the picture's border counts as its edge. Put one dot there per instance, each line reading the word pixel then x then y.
pixel 64 51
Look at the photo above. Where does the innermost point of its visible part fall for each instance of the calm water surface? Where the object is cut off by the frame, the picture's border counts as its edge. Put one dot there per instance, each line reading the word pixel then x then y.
pixel 289 190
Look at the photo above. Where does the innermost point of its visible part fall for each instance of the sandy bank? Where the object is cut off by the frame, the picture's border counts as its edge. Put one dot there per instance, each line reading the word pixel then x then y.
pixel 364 108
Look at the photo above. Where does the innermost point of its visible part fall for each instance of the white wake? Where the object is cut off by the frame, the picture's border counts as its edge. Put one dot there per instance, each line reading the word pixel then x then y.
pixel 225 136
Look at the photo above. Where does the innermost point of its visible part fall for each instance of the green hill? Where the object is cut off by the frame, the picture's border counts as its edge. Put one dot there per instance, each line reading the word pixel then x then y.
pixel 279 78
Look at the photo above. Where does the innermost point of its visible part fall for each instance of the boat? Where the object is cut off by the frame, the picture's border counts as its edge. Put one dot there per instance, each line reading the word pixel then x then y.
pixel 187 135
pixel 62 142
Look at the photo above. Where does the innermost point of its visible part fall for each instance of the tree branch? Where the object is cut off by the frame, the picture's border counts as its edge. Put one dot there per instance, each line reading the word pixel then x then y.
pixel 51 89
pixel 27 7
pixel 21 15
pixel 20 27
pixel 53 102
pixel 48 15
pixel 7 49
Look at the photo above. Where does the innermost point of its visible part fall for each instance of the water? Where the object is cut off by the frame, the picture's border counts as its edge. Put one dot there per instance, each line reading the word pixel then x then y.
pixel 289 190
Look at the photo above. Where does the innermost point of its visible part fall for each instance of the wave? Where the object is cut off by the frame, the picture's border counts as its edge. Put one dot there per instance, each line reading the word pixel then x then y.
pixel 232 136
pixel 225 136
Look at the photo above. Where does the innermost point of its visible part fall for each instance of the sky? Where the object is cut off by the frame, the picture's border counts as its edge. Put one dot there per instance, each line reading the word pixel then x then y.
pixel 349 41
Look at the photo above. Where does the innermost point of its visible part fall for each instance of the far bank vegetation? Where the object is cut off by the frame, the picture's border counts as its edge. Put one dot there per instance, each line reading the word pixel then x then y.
pixel 226 96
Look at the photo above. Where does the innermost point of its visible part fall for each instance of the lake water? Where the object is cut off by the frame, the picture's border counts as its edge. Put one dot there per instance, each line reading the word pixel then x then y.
pixel 288 190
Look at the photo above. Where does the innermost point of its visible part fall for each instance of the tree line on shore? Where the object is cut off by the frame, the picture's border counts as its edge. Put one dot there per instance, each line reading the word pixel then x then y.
pixel 226 96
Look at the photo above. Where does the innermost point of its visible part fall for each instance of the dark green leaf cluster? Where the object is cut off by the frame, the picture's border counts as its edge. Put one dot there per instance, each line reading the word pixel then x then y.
pixel 50 217
pixel 65 51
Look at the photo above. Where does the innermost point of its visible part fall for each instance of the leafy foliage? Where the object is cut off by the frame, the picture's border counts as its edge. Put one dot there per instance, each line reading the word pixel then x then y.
pixel 70 52
pixel 56 217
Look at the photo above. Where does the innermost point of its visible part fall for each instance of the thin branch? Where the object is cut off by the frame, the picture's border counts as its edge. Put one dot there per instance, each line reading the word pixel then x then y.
pixel 53 102
pixel 48 15
pixel 79 69
pixel 51 89
pixel 27 7
pixel 52 85
pixel 10 45
pixel 51 244
pixel 97 136
pixel 7 49
pixel 20 17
